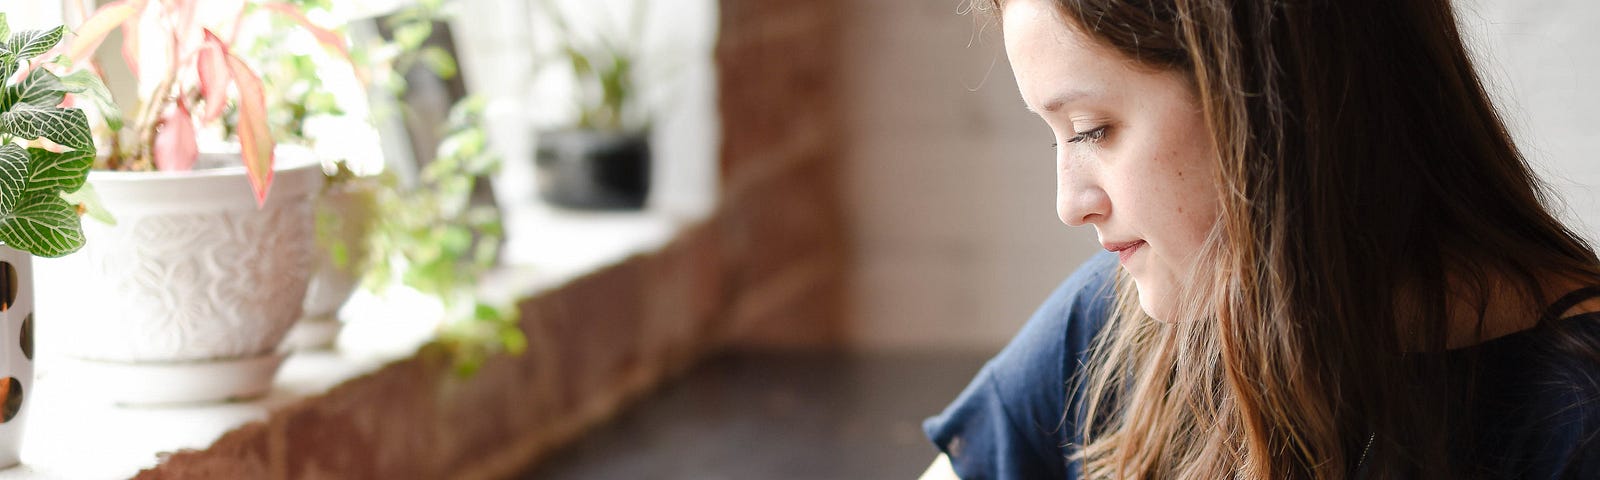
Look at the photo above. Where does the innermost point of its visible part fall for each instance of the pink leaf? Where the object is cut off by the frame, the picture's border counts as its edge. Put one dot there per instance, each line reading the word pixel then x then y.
pixel 213 69
pixel 175 148
pixel 326 37
pixel 130 42
pixel 183 13
pixel 238 23
pixel 255 138
pixel 93 31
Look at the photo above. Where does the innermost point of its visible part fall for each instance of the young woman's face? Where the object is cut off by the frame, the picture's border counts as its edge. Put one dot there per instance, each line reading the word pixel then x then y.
pixel 1133 155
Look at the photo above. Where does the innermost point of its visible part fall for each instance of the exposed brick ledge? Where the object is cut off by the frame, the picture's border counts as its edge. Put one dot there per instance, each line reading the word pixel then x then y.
pixel 596 343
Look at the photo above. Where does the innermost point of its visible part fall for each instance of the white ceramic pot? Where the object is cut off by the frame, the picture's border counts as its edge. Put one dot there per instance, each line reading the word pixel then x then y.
pixel 345 212
pixel 188 296
pixel 16 350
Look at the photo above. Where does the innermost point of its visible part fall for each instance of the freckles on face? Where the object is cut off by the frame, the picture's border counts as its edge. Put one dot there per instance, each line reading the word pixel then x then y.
pixel 1135 158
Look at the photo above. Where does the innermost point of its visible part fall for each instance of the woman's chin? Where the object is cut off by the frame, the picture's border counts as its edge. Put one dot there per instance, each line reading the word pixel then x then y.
pixel 1154 302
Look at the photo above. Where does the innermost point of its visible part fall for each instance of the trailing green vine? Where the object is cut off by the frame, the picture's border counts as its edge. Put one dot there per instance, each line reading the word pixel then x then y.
pixel 431 238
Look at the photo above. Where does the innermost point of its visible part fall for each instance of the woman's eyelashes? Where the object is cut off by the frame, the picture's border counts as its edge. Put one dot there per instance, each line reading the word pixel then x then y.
pixel 1093 135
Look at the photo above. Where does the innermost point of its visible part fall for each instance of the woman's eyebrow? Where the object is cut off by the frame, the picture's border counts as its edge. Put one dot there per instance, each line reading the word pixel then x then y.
pixel 1055 103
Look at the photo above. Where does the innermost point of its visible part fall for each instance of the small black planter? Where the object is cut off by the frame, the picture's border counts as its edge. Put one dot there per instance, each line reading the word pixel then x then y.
pixel 594 169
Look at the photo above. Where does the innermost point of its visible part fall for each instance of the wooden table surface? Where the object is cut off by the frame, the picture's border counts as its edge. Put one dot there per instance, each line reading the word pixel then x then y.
pixel 776 417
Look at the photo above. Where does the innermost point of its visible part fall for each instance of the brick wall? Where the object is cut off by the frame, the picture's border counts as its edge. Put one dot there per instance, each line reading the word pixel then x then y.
pixel 765 271
pixel 780 212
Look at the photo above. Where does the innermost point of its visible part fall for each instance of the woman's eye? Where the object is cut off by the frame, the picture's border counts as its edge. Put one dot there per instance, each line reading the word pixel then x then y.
pixel 1091 136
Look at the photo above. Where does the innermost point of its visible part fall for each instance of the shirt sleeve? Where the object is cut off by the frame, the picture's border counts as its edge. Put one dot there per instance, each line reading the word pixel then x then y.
pixel 1013 421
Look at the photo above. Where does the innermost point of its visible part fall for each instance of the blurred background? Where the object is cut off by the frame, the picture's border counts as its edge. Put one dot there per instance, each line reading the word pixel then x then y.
pixel 881 204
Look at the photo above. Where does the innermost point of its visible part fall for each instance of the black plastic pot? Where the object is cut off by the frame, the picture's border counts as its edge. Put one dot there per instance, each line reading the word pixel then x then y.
pixel 594 169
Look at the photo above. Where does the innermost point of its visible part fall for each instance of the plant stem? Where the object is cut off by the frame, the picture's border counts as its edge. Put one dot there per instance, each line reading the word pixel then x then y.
pixel 150 118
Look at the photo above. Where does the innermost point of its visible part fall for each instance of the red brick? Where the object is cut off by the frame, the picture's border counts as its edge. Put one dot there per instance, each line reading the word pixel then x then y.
pixel 685 292
pixel 776 63
pixel 377 426
pixel 243 453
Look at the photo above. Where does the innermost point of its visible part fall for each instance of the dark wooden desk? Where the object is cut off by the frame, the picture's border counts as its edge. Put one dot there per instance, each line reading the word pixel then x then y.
pixel 776 417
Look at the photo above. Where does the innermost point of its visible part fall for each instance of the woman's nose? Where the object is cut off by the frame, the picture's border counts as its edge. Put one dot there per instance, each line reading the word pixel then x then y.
pixel 1079 198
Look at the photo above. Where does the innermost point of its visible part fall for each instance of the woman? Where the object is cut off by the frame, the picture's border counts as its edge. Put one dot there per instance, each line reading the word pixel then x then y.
pixel 1335 262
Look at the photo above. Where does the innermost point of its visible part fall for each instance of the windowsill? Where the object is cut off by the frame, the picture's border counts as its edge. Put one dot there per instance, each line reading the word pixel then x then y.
pixel 72 435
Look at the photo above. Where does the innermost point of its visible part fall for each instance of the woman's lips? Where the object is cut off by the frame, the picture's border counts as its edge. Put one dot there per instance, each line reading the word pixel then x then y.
pixel 1124 250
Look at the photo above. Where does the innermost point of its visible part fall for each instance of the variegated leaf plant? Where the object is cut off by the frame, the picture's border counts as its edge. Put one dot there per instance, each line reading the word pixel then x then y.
pixel 194 87
pixel 45 149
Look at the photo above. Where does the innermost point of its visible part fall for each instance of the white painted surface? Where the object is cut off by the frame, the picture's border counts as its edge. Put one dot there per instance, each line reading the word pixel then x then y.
pixel 951 195
pixel 1540 62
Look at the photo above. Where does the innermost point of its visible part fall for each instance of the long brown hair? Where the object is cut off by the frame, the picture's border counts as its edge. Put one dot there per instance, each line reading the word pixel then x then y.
pixel 1370 191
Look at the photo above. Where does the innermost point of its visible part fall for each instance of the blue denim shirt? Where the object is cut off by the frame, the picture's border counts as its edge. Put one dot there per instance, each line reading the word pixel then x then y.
pixel 1012 421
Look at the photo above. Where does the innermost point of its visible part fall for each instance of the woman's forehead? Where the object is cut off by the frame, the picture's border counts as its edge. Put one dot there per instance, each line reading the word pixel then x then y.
pixel 1053 59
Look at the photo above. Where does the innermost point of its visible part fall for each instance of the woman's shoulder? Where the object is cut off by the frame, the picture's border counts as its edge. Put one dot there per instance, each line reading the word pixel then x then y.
pixel 1555 356
pixel 1032 372
pixel 1076 311
pixel 1055 341
pixel 1011 421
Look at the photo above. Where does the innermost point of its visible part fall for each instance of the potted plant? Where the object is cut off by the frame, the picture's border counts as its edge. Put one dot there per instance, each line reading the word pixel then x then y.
pixel 45 153
pixel 602 159
pixel 427 233
pixel 328 115
pixel 345 213
pixel 204 271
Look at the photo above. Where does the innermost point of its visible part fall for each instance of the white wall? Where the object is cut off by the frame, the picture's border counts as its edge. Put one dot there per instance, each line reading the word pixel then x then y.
pixel 499 38
pixel 948 180
pixel 1540 61
pixel 951 190
pixel 31 14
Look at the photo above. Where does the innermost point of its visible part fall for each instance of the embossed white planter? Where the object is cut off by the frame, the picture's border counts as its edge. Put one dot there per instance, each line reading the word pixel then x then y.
pixel 16 350
pixel 188 296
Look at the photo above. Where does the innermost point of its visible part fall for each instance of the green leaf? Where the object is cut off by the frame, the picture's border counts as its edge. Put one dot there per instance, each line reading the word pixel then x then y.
pixel 40 89
pixel 44 225
pixel 51 172
pixel 87 198
pixel 468 365
pixel 411 36
pixel 581 66
pixel 89 85
pixel 66 126
pixel 8 65
pixel 13 175
pixel 27 44
pixel 5 27
pixel 513 340
pixel 438 60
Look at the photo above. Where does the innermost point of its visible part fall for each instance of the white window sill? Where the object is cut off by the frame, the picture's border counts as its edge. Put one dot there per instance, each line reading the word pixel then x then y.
pixel 70 434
